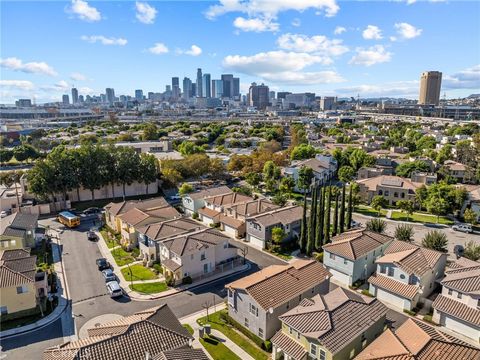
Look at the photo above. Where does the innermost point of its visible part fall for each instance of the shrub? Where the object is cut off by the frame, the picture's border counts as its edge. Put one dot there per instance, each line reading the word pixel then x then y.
pixel 409 312
pixel 187 280
pixel 376 225
pixel 267 346
pixel 472 251
pixel 435 240
pixel 366 293
pixel 195 216
pixel 404 233
pixel 169 280
pixel 428 318
pixel 318 256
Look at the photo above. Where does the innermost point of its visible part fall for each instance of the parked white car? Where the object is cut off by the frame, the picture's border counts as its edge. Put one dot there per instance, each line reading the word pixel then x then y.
pixel 466 228
pixel 114 289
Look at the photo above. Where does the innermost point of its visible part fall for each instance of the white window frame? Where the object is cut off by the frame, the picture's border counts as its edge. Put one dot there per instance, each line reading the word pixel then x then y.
pixel 313 349
pixel 323 355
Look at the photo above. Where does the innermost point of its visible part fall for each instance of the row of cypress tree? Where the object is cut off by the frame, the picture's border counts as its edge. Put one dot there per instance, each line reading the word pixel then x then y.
pixel 317 227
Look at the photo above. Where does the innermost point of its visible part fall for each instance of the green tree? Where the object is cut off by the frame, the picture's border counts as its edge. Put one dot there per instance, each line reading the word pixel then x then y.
pixel 302 240
pixel 127 162
pixel 5 155
pixel 376 225
pixel 148 169
pixel 278 235
pixel 173 176
pixel 25 152
pixel 335 214
pixel 271 174
pixel 404 232
pixel 10 178
pixel 421 195
pixel 319 221
pixel 279 199
pixel 90 159
pixel 435 240
pixel 305 176
pixel 312 225
pixel 253 179
pixel 470 216
pixel 64 167
pixel 327 215
pixel 186 188
pixel 40 179
pixel 303 151
pixel 472 250
pixel 359 158
pixel 346 173
pixel 287 184
pixel 407 168
pixel 350 207
pixel 378 202
pixel 341 223
pixel 189 148
pixel 437 205
pixel 150 132
pixel 406 206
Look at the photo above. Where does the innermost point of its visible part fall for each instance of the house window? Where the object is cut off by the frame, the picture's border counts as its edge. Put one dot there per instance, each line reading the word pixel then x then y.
pixel 345 262
pixel 288 304
pixel 225 245
pixel 260 332
pixel 352 353
pixel 313 350
pixel 253 310
pixel 450 292
pixel 402 195
pixel 387 193
pixel 3 310
pixel 459 295
pixel 380 192
pixel 246 323
pixel 332 256
pixel 202 257
pixel 290 330
pixel 323 355
pixel 22 289
pixel 382 269
pixel 395 194
pixel 390 271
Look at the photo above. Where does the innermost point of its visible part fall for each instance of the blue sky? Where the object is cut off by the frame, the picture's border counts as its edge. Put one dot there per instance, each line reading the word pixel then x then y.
pixel 370 48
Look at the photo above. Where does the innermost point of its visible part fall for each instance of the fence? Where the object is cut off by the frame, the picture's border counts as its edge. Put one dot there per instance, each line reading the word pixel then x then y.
pixel 220 268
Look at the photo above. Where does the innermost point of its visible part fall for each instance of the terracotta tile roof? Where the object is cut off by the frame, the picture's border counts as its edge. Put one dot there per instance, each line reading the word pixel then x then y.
pixel 171 265
pixel 389 181
pixel 210 213
pixel 383 282
pixel 467 281
pixel 411 258
pixel 288 345
pixel 135 215
pixel 154 332
pixel 454 166
pixel 181 354
pixel 229 221
pixel 210 192
pixel 192 243
pixel 457 309
pixel 462 264
pixel 17 267
pixel 418 341
pixel 123 206
pixel 356 243
pixel 227 199
pixel 168 228
pixel 285 215
pixel 253 207
pixel 293 279
pixel 335 318
pixel 314 164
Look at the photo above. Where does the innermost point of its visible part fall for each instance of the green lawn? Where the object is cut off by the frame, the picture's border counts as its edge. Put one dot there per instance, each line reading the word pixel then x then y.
pixel 246 344
pixel 217 350
pixel 149 288
pixel 122 257
pixel 108 239
pixel 189 328
pixel 423 218
pixel 139 272
pixel 368 211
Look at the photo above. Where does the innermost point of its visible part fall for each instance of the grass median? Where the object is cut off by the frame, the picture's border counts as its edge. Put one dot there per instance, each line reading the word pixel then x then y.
pixel 122 257
pixel 150 288
pixel 138 272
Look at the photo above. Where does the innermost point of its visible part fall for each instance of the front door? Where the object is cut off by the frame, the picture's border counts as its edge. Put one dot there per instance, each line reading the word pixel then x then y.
pixel 205 268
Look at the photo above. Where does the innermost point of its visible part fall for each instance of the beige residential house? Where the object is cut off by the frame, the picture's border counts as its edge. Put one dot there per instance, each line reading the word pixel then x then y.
pixel 195 201
pixel 21 286
pixel 406 274
pixel 18 231
pixel 456 170
pixel 153 334
pixel 416 340
pixel 458 306
pixel 392 188
pixel 335 326
pixel 256 301
pixel 215 205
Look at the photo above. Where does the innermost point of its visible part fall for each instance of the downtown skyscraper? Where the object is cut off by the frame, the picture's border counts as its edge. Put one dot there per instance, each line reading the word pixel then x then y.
pixel 206 83
pixel 199 86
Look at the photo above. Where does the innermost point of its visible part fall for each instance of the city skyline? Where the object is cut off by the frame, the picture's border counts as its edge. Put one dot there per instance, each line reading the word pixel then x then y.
pixel 326 47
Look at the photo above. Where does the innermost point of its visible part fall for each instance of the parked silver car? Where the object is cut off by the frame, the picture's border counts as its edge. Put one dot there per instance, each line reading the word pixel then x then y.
pixel 466 228
pixel 114 289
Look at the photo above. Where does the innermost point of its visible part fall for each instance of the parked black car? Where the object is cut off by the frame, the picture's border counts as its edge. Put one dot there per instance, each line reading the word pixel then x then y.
pixel 92 236
pixel 103 264
pixel 92 210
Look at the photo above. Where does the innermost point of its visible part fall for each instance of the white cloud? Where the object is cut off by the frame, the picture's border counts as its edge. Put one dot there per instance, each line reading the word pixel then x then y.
pixel 78 77
pixel 281 67
pixel 339 30
pixel 84 11
pixel 104 40
pixel 370 56
pixel 317 44
pixel 465 79
pixel 255 24
pixel 407 89
pixel 372 32
pixel 145 12
pixel 296 22
pixel 407 31
pixel 16 64
pixel 86 91
pixel 158 48
pixel 17 84
pixel 193 51
pixel 60 86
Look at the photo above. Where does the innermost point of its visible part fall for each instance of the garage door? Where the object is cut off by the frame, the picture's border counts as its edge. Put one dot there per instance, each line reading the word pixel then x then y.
pixel 255 241
pixel 460 327
pixel 206 220
pixel 391 298
pixel 340 277
pixel 230 231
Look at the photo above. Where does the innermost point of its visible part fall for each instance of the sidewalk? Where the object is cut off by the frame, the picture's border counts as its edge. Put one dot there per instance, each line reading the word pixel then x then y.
pixel 63 302
pixel 192 321
pixel 125 285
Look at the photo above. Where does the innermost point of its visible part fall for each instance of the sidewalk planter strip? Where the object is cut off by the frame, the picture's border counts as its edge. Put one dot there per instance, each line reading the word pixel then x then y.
pixel 149 288
pixel 217 350
pixel 139 272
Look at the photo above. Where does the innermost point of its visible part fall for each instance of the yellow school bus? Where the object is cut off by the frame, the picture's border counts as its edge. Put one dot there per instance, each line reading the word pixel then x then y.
pixel 68 219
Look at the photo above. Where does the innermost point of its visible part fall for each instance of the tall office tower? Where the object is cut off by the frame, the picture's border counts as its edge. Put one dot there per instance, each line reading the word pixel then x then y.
pixel 227 85
pixel 103 98
pixel 206 83
pixel 194 90
pixel 282 94
pixel 430 85
pixel 175 87
pixel 236 87
pixel 187 88
pixel 80 99
pixel 65 100
pixel 199 86
pixel 74 96
pixel 217 89
pixel 110 93
pixel 258 96
pixel 139 95
pixel 327 102
pixel 150 95
pixel 271 95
